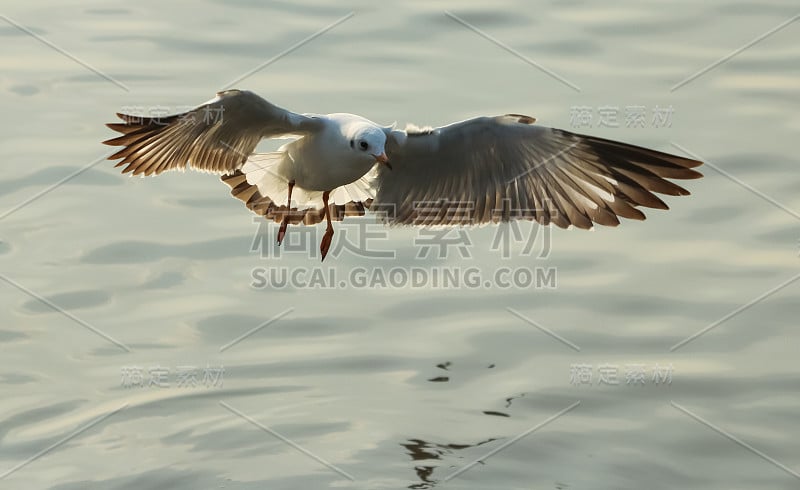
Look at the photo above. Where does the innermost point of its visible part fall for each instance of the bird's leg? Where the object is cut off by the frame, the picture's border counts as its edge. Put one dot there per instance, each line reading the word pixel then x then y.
pixel 326 239
pixel 285 222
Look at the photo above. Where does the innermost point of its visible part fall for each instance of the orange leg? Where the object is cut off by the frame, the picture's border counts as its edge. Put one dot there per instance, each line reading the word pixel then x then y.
pixel 285 222
pixel 326 239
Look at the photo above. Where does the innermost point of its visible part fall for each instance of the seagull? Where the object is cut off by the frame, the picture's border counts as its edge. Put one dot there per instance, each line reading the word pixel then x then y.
pixel 480 170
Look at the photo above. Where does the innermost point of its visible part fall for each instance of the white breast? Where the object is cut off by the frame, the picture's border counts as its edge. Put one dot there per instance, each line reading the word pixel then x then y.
pixel 324 161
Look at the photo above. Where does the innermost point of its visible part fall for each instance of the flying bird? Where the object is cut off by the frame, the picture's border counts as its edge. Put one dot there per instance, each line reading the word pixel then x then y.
pixel 481 170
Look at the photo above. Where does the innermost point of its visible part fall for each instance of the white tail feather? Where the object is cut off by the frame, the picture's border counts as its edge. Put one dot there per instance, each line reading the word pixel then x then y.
pixel 268 172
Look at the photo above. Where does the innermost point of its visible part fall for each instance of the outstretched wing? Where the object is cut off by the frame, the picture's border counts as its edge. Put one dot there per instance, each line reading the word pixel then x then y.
pixel 499 168
pixel 216 137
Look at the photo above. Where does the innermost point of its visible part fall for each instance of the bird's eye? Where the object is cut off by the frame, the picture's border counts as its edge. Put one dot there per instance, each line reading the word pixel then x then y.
pixel 363 145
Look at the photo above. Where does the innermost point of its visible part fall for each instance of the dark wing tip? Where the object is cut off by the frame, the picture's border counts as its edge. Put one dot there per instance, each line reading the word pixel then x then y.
pixel 131 125
pixel 120 128
pixel 693 174
pixel 686 162
pixel 128 117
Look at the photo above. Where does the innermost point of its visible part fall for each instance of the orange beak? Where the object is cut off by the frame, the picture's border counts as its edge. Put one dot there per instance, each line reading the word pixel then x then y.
pixel 382 158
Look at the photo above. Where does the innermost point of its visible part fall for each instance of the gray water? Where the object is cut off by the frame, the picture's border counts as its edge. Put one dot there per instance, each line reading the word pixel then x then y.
pixel 105 276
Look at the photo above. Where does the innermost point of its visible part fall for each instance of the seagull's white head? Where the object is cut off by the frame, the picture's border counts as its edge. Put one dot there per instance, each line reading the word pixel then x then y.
pixel 369 142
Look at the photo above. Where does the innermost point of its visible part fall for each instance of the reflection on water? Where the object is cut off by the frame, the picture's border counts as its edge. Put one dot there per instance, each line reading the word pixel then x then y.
pixel 163 265
pixel 420 450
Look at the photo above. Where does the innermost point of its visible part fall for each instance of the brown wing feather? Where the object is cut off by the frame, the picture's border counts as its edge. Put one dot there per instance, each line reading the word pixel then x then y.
pixel 506 167
pixel 215 137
